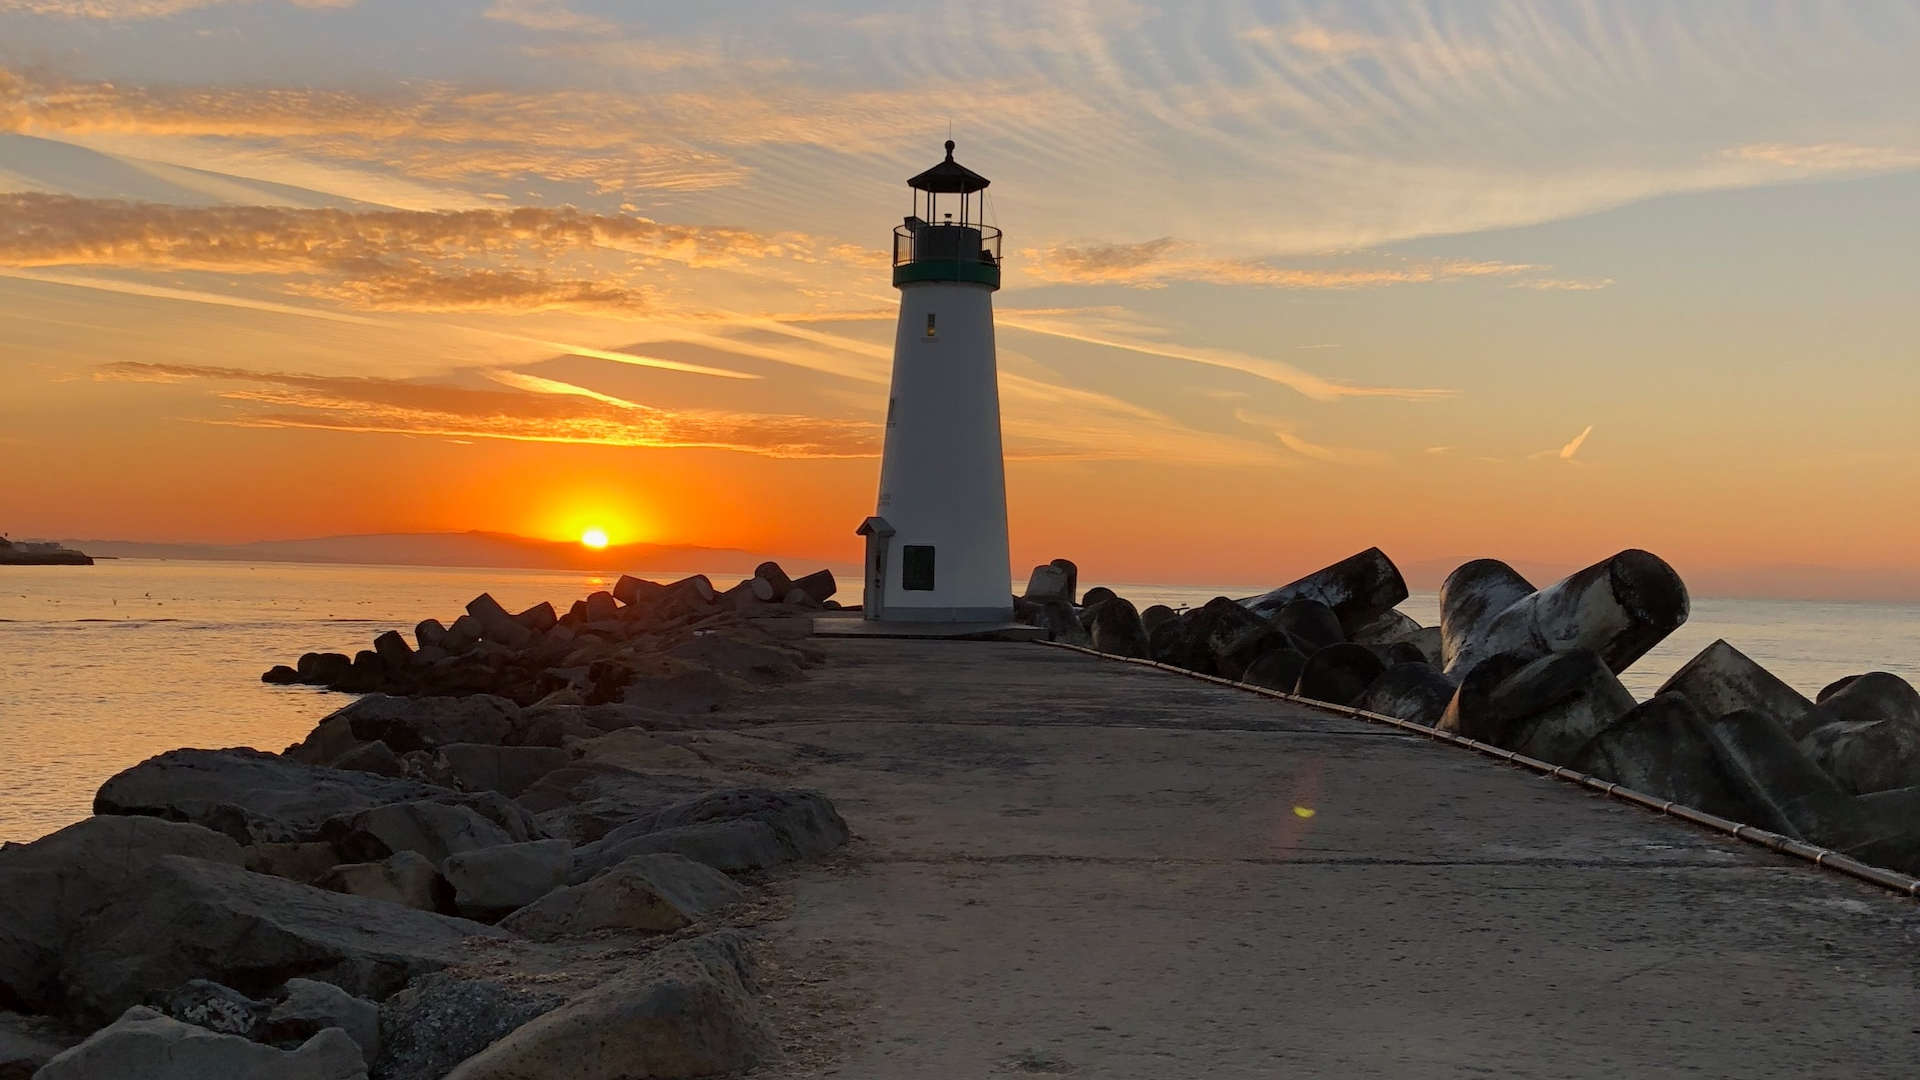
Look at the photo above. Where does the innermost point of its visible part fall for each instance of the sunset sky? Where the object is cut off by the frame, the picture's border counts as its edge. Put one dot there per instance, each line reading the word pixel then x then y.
pixel 1284 280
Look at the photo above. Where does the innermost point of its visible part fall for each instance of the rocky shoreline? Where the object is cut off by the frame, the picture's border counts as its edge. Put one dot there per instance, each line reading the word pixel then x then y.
pixel 1536 671
pixel 540 842
pixel 533 856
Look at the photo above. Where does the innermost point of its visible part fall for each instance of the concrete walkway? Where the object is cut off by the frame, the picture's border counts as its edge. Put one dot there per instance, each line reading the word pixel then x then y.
pixel 1066 866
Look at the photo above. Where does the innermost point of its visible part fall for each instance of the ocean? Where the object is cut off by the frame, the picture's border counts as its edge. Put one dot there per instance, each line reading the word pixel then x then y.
pixel 103 666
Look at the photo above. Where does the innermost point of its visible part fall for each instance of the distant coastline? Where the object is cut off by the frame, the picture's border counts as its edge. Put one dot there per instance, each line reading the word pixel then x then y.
pixel 453 549
pixel 40 553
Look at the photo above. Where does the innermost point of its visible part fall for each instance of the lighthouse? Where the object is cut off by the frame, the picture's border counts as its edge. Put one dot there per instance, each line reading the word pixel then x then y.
pixel 937 540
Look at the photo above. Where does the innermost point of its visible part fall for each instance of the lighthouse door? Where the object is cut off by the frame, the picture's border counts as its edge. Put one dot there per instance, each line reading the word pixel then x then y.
pixel 873 597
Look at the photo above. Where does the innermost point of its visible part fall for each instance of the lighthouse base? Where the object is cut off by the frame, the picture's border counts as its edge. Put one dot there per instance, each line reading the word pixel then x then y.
pixel 853 626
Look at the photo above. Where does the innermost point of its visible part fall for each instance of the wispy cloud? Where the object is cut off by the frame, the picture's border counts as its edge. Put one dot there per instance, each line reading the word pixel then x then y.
pixel 532 410
pixel 545 15
pixel 1282 430
pixel 1566 453
pixel 1153 264
pixel 136 9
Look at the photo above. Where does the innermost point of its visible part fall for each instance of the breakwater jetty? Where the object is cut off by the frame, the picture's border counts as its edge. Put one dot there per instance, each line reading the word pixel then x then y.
pixel 671 832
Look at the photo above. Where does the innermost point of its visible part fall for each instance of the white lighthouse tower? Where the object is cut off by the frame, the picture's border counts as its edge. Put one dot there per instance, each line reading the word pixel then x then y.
pixel 937 540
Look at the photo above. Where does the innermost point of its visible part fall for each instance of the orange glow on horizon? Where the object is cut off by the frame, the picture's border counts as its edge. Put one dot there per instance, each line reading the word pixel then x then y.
pixel 594 537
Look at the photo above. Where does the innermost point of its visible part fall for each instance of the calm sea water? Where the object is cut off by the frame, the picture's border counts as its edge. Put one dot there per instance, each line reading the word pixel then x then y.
pixel 103 666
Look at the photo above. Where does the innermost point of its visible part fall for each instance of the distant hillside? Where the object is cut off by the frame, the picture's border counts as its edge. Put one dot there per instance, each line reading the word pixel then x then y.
pixel 475 548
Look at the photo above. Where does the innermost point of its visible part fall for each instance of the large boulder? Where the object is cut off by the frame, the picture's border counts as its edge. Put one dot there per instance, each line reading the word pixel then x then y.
pixel 1470 599
pixel 60 882
pixel 191 918
pixel 686 1011
pixel 214 1006
pixel 1409 691
pixel 1866 756
pixel 307 1008
pixel 1358 588
pixel 1659 747
pixel 252 796
pixel 434 829
pixel 734 830
pixel 1117 630
pixel 407 878
pixel 1618 609
pixel 1722 679
pixel 441 1019
pixel 508 770
pixel 28 1042
pixel 490 882
pixel 406 724
pixel 145 1045
pixel 587 799
pixel 657 893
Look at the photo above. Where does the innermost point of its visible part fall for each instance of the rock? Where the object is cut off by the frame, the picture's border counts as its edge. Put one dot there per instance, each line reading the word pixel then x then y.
pixel 586 800
pixel 1721 679
pixel 52 886
pixel 733 829
pixel 733 846
pixel 375 757
pixel 191 919
pixel 820 585
pixel 1339 673
pixel 210 1005
pixel 1117 629
pixel 281 675
pixel 1408 691
pixel 1555 704
pixel 309 1007
pixel 1782 787
pixel 1155 615
pixel 600 607
pixel 508 770
pixel 429 634
pixel 1311 624
pixel 1866 756
pixel 305 861
pixel 407 724
pixel 441 1019
pixel 434 829
pixel 686 1011
pixel 1869 698
pixel 393 651
pixel 1358 588
pixel 1470 599
pixel 495 624
pixel 1278 669
pixel 1659 747
pixel 406 878
pixel 144 1045
pixel 490 882
pixel 655 893
pixel 1050 583
pixel 631 590
pixel 27 1043
pixel 1618 608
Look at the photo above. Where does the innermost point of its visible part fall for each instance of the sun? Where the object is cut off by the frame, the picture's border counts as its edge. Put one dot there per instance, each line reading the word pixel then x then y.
pixel 595 537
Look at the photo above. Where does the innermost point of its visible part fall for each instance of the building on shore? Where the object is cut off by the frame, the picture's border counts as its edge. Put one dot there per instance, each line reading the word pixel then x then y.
pixel 40 553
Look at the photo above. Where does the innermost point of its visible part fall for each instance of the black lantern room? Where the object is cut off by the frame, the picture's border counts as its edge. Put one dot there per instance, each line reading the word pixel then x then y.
pixel 931 246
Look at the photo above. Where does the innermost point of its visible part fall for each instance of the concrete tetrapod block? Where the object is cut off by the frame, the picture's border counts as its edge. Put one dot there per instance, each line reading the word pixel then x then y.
pixel 1874 696
pixel 1659 747
pixel 1468 715
pixel 1116 629
pixel 1385 628
pixel 1408 691
pixel 1471 598
pixel 1339 673
pixel 1618 608
pixel 1865 756
pixel 1783 787
pixel 1155 615
pixel 1722 679
pixel 1358 588
pixel 1559 702
pixel 1049 582
pixel 1277 669
pixel 1310 623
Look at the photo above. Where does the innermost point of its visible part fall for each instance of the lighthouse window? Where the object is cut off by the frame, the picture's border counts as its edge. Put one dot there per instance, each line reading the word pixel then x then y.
pixel 916 568
pixel 930 330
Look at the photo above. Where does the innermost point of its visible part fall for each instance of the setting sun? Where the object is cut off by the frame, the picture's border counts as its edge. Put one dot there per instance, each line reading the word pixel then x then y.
pixel 594 538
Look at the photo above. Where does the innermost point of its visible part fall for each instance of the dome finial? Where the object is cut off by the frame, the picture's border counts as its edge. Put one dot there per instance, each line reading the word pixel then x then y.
pixel 949 149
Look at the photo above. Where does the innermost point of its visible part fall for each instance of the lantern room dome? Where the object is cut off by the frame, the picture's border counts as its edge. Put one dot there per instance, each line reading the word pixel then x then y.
pixel 949 178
